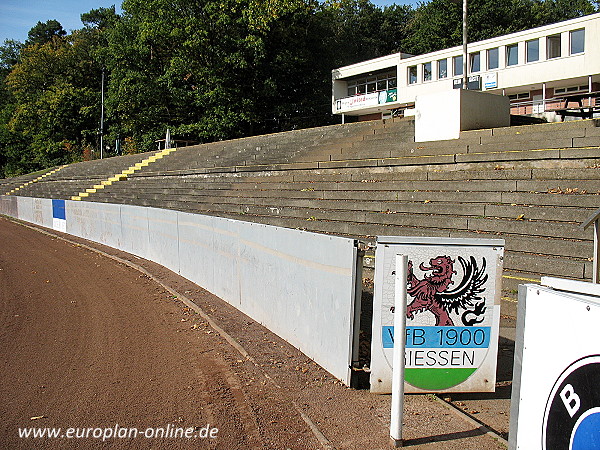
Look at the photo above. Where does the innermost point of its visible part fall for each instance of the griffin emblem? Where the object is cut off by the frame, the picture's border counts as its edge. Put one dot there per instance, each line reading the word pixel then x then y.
pixel 432 294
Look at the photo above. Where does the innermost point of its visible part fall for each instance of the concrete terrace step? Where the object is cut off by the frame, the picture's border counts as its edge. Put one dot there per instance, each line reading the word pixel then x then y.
pixel 433 204
pixel 552 199
pixel 404 226
pixel 489 193
pixel 300 146
pixel 100 168
pixel 368 185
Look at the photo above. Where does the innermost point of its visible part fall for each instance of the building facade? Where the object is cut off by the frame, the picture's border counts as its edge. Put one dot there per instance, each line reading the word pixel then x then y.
pixel 538 69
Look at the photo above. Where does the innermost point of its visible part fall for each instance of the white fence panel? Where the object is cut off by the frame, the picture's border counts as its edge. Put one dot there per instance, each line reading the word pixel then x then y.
pixel 98 222
pixel 134 230
pixel 196 254
pixel 9 206
pixel 225 260
pixel 42 212
pixel 25 208
pixel 300 284
pixel 163 245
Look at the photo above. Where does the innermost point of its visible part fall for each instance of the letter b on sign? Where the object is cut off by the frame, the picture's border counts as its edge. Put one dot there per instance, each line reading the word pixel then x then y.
pixel 570 399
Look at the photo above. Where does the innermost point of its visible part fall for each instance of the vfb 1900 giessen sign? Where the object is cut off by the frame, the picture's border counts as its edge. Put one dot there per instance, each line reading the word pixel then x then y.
pixel 452 315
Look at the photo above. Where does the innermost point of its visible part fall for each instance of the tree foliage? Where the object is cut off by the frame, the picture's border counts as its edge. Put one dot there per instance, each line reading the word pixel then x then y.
pixel 44 32
pixel 214 69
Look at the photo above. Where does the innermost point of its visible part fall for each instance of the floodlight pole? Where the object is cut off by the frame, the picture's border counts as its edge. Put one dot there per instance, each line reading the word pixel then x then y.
pixel 102 118
pixel 465 54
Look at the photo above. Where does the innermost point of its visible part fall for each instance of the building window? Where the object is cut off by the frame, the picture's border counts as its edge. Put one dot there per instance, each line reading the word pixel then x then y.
pixel 457 63
pixel 571 89
pixel 532 50
pixel 474 62
pixel 427 71
pixel 492 58
pixel 512 55
pixel 553 46
pixel 442 68
pixel 519 96
pixel 412 74
pixel 372 83
pixel 577 41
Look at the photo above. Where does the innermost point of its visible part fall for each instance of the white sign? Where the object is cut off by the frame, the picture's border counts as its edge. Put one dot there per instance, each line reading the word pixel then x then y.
pixel 453 314
pixel 490 81
pixel 555 401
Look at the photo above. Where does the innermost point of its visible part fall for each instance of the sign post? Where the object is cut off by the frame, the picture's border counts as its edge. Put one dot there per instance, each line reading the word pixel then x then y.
pixel 399 344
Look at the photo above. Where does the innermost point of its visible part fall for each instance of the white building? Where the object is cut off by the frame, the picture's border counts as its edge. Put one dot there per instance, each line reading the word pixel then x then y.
pixel 538 69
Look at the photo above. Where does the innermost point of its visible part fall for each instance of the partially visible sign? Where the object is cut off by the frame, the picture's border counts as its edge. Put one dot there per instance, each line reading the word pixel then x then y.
pixel 555 402
pixel 392 95
pixel 453 313
pixel 371 99
pixel 572 416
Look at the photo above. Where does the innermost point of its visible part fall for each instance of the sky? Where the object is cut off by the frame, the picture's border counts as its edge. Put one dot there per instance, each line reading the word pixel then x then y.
pixel 17 17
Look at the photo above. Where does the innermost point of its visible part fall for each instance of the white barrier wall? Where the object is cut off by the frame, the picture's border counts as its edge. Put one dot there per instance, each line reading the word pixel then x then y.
pixel 300 285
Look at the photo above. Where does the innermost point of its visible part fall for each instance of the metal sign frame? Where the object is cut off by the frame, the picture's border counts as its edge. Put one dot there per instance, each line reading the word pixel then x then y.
pixel 450 346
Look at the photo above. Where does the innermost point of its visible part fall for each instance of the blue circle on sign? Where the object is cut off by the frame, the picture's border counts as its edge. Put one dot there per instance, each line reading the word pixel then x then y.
pixel 586 433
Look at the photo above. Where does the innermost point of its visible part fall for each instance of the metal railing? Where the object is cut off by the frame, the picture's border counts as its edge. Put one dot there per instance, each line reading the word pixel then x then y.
pixel 595 219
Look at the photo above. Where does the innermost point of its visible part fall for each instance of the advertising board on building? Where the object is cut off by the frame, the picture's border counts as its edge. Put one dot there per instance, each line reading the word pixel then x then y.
pixel 371 99
pixel 453 313
pixel 555 403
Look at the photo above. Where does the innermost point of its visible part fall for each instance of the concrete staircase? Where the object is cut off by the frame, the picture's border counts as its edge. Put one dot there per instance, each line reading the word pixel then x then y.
pixel 14 185
pixel 123 174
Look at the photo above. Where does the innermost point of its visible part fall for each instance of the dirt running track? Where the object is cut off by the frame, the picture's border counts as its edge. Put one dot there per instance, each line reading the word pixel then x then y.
pixel 88 342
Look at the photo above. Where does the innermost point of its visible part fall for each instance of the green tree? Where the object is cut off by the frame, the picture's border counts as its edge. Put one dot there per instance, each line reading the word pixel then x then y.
pixel 552 11
pixel 393 31
pixel 44 32
pixel 54 87
pixel 197 67
pixel 352 30
pixel 100 19
pixel 10 144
